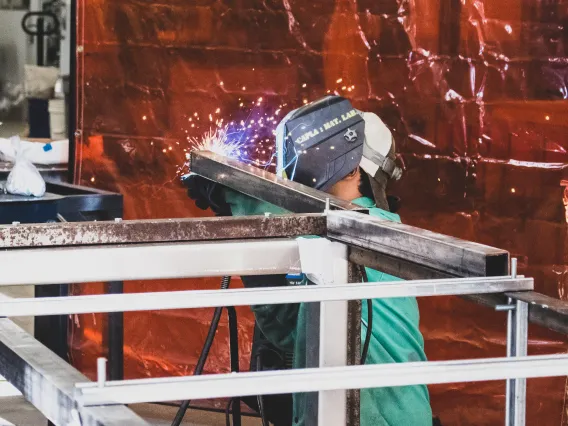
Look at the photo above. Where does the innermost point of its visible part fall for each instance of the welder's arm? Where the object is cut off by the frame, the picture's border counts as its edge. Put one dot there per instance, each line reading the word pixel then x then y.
pixel 277 322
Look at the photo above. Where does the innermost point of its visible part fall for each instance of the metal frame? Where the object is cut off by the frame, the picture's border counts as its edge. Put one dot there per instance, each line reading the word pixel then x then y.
pixel 401 250
pixel 131 302
pixel 326 379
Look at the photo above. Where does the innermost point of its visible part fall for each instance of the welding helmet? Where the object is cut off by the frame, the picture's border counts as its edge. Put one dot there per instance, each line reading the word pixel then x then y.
pixel 322 142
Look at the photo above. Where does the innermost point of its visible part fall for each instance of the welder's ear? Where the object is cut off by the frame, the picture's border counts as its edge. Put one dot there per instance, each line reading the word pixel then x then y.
pixel 353 175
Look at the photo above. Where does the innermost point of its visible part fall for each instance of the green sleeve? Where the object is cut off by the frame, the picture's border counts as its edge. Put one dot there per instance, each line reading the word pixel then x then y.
pixel 276 322
pixel 243 205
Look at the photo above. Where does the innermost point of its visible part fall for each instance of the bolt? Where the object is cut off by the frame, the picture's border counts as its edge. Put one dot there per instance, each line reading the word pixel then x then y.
pixel 504 308
pixel 514 267
pixel 101 372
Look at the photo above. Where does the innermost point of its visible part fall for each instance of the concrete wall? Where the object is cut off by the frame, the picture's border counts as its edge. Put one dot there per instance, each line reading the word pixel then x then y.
pixel 14 46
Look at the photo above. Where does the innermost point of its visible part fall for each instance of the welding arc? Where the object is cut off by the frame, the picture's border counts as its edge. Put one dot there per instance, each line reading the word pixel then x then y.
pixel 204 352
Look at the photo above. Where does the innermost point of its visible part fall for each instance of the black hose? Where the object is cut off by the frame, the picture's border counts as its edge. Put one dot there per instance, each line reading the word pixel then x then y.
pixel 204 352
pixel 228 412
pixel 369 332
pixel 259 398
pixel 234 351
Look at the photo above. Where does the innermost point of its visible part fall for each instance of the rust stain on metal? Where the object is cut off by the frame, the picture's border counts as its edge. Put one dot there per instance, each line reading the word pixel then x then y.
pixel 154 231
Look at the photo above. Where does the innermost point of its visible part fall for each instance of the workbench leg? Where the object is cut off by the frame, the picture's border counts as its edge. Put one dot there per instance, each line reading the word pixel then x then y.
pixel 115 336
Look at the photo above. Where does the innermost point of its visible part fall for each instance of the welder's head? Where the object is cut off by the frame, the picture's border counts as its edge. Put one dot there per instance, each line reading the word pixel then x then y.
pixel 323 142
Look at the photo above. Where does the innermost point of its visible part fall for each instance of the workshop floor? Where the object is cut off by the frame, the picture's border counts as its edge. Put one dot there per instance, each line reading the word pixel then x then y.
pixel 16 411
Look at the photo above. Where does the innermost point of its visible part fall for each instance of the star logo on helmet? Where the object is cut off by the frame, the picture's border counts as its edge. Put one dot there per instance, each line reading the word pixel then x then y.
pixel 350 135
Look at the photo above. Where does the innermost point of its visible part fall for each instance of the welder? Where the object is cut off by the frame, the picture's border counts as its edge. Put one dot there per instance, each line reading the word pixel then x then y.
pixel 330 146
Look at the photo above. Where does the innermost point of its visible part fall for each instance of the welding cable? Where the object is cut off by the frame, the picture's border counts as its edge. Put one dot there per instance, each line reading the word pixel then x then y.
pixel 365 350
pixel 259 398
pixel 234 352
pixel 204 352
pixel 228 412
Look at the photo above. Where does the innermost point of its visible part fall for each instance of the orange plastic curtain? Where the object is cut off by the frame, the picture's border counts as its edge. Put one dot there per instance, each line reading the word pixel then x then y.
pixel 474 91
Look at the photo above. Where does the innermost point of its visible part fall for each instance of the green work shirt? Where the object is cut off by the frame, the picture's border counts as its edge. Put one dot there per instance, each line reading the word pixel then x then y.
pixel 395 337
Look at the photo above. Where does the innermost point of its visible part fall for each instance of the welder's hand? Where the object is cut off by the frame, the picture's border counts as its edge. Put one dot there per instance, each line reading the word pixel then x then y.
pixel 207 194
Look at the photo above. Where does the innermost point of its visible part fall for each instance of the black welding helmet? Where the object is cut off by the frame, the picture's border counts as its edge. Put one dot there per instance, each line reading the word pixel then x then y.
pixel 322 142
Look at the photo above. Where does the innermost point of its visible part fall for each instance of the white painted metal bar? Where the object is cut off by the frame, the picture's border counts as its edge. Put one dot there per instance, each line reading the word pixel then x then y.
pixel 521 315
pixel 48 382
pixel 320 379
pixel 262 296
pixel 148 261
pixel 332 404
pixel 509 384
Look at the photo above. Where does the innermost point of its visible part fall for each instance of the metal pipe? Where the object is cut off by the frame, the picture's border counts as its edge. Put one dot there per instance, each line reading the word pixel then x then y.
pixel 321 379
pixel 130 302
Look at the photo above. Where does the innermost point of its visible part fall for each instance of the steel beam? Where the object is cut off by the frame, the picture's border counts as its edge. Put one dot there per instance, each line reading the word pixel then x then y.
pixel 130 302
pixel 544 310
pixel 48 382
pixel 321 379
pixel 263 185
pixel 148 261
pixel 157 231
pixel 436 251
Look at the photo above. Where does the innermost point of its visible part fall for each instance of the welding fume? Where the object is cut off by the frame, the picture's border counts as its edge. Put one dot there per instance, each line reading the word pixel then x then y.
pixel 331 146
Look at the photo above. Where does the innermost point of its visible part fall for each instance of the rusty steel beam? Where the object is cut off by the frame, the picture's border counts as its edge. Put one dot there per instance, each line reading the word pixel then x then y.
pixel 159 231
pixel 417 246
pixel 263 185
pixel 544 310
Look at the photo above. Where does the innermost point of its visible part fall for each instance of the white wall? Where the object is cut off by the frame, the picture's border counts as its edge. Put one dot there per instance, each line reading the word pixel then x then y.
pixel 15 49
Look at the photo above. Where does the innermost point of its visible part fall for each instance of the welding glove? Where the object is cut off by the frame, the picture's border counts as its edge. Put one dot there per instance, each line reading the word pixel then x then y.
pixel 207 194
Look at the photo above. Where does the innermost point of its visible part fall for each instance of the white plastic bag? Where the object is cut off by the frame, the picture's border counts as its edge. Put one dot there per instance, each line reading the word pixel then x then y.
pixel 24 179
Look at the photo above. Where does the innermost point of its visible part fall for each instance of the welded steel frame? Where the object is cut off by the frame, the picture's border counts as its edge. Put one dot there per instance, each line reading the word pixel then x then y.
pixel 313 220
pixel 341 226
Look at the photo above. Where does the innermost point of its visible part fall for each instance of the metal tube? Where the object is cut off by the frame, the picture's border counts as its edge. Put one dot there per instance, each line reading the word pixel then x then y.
pixel 149 261
pixel 321 379
pixel 130 302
